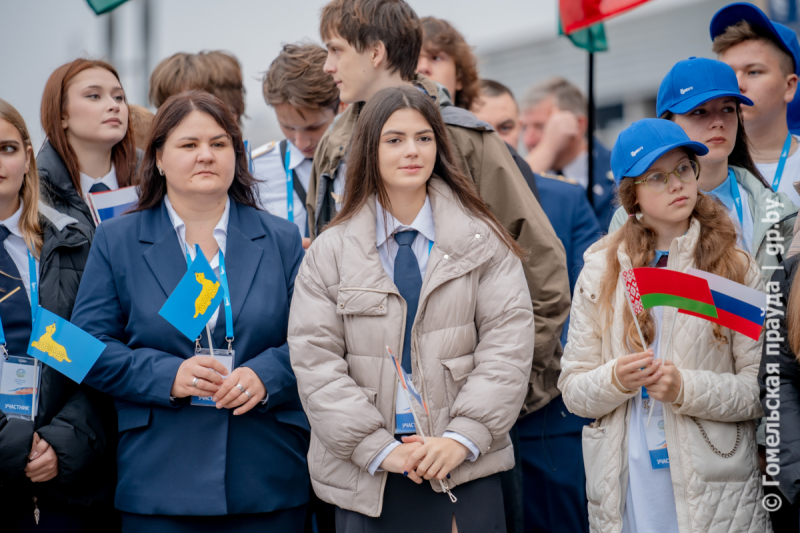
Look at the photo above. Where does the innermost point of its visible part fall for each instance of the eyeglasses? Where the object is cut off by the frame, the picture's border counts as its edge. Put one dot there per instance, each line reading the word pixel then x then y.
pixel 687 172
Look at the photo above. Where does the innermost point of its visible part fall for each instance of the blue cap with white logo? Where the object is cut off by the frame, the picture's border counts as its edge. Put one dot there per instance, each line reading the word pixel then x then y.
pixel 739 11
pixel 643 142
pixel 693 82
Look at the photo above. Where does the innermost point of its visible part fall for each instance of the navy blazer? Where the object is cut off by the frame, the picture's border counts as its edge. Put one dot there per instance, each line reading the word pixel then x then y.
pixel 604 190
pixel 573 220
pixel 175 458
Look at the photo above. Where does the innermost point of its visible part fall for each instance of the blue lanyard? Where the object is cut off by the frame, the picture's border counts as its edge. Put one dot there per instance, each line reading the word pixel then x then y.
pixel 34 285
pixel 776 181
pixel 737 198
pixel 289 185
pixel 223 278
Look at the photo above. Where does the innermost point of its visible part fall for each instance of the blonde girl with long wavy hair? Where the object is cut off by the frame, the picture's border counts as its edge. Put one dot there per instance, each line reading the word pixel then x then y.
pixel 674 425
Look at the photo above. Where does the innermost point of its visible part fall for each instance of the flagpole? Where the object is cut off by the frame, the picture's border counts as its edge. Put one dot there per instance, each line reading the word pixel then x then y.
pixel 210 344
pixel 590 129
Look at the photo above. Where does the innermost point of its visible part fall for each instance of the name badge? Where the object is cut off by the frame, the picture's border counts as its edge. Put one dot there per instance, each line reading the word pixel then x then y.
pixel 19 387
pixel 656 437
pixel 226 358
pixel 403 418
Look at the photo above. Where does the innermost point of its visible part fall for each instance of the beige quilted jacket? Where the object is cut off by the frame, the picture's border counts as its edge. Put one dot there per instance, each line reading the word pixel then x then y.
pixel 712 494
pixel 471 352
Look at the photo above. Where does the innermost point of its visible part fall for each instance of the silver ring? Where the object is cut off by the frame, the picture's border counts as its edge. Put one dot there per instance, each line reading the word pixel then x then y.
pixel 194 382
pixel 239 386
pixel 248 394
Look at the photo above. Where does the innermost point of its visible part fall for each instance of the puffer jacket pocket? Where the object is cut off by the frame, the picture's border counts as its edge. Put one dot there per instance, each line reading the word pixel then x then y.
pixel 708 465
pixel 595 457
pixel 456 371
pixel 361 303
pixel 330 470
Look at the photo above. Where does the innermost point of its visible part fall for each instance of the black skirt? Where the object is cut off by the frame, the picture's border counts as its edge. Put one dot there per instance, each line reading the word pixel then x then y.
pixel 286 520
pixel 411 507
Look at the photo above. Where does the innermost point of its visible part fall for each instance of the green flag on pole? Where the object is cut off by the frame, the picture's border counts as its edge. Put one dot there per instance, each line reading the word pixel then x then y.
pixel 104 6
pixel 591 39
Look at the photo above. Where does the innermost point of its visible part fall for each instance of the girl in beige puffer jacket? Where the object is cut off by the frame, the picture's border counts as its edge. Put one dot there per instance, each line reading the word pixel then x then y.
pixel 701 387
pixel 464 333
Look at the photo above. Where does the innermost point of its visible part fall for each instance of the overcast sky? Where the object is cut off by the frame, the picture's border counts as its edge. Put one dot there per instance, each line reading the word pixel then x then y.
pixel 37 36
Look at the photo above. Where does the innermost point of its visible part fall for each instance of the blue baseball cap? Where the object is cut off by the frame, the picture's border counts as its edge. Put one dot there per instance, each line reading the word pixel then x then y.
pixel 695 81
pixel 643 142
pixel 739 11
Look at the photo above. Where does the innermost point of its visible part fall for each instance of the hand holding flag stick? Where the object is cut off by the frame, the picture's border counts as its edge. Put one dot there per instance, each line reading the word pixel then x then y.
pixel 408 387
pixel 699 294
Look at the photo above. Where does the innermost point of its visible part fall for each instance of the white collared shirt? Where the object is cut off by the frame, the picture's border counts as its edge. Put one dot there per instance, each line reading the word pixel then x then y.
pixel 18 250
pixel 385 229
pixel 268 169
pixel 220 235
pixel 387 246
pixel 109 180
pixel 578 169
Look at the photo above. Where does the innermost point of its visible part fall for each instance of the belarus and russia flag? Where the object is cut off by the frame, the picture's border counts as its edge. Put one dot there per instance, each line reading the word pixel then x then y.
pixel 698 293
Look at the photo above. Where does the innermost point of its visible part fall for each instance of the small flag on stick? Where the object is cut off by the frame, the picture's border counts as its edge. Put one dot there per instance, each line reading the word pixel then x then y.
pixel 63 346
pixel 193 302
pixel 406 382
pixel 738 307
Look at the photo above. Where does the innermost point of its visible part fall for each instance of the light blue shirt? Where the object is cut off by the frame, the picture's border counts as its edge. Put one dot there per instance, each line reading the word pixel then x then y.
pixel 386 225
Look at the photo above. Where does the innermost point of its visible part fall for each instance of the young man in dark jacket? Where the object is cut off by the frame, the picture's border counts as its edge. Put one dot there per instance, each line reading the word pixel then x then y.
pixel 361 66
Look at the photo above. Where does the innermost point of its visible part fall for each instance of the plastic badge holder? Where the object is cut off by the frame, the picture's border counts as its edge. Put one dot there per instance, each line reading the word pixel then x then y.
pixel 20 381
pixel 223 356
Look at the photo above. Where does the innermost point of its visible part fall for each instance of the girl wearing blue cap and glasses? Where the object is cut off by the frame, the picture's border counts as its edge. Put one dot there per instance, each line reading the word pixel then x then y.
pixel 672 446
pixel 702 96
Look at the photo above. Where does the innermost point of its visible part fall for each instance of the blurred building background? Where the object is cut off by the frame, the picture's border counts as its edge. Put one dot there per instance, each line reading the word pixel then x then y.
pixel 516 42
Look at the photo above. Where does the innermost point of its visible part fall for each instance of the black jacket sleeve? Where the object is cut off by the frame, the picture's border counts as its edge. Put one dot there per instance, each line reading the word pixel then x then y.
pixel 76 435
pixel 16 438
pixel 778 378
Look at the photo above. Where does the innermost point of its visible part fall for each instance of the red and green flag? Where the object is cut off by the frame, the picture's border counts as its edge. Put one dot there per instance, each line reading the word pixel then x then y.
pixel 579 14
pixel 653 287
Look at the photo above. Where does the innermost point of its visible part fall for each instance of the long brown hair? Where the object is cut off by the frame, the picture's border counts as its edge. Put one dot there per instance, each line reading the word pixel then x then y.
pixel 363 178
pixel 440 36
pixel 53 111
pixel 153 186
pixel 29 192
pixel 740 156
pixel 715 252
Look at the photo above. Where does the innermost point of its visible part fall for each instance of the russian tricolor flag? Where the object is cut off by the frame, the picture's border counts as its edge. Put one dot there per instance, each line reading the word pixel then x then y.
pixel 739 307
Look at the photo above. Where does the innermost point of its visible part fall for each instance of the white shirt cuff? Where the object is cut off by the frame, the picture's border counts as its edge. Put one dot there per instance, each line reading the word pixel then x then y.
pixel 374 466
pixel 264 401
pixel 473 450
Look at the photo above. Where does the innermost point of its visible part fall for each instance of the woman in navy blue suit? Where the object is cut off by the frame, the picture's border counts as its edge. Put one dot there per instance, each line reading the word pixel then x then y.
pixel 239 464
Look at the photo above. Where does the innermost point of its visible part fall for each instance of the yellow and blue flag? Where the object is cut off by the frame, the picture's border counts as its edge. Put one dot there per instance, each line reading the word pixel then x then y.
pixel 63 346
pixel 193 302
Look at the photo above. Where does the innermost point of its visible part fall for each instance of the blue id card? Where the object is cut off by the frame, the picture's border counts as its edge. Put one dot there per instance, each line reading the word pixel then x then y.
pixel 19 386
pixel 226 358
pixel 656 437
pixel 404 418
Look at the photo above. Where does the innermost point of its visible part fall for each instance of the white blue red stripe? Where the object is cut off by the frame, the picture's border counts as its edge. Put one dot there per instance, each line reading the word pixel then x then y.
pixel 739 307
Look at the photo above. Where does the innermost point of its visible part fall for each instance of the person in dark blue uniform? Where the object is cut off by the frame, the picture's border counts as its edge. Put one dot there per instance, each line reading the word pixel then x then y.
pixel 554 123
pixel 547 442
pixel 238 465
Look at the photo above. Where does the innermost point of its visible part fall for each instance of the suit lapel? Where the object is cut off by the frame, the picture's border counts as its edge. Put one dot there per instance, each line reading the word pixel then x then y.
pixel 164 257
pixel 242 254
